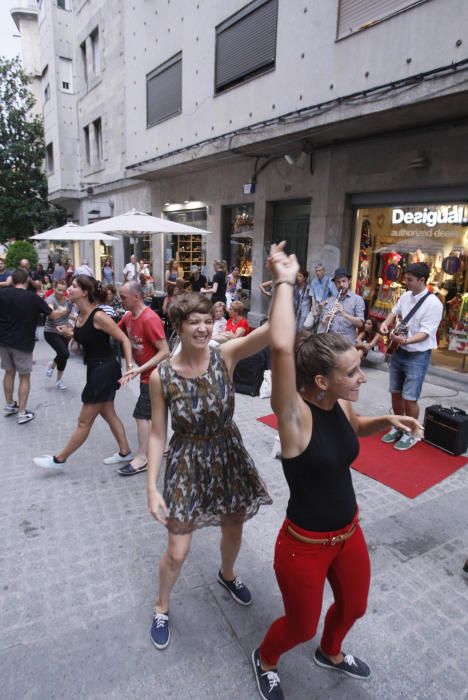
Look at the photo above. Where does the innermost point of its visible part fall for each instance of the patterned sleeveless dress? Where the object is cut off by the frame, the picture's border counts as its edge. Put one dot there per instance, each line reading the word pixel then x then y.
pixel 210 478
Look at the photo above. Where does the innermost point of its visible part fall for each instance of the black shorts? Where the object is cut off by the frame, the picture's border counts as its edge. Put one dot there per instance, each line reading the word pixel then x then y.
pixel 142 410
pixel 102 381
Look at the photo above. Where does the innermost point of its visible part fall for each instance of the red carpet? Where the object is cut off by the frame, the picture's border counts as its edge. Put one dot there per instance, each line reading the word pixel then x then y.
pixel 410 473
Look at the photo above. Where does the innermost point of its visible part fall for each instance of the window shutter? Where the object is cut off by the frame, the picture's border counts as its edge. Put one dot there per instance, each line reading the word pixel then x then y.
pixel 354 15
pixel 164 91
pixel 246 43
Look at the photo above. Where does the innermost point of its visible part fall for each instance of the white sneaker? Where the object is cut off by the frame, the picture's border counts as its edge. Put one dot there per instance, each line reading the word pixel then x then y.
pixel 49 371
pixel 60 385
pixel 25 417
pixel 47 462
pixel 117 457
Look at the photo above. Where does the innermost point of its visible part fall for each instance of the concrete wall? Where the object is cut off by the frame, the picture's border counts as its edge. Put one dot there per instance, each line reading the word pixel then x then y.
pixel 417 40
pixel 56 35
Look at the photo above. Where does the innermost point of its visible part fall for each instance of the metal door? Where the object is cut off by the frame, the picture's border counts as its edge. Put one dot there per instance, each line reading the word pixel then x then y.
pixel 291 224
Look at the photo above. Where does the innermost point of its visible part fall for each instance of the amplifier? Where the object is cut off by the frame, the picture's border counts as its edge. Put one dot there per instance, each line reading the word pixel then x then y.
pixel 446 428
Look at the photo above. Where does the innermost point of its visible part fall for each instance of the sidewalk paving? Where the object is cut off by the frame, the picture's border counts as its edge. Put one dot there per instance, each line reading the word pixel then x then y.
pixel 79 557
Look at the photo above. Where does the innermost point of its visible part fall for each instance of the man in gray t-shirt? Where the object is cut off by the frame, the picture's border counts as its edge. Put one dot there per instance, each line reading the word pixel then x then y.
pixel 347 313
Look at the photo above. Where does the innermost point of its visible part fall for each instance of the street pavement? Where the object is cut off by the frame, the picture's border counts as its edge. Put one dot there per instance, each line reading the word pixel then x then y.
pixel 79 557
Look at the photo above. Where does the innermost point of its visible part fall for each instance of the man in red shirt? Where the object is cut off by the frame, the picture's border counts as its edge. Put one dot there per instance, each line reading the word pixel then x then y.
pixel 146 334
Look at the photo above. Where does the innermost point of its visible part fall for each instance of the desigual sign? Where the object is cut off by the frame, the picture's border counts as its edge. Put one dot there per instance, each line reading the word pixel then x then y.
pixel 427 216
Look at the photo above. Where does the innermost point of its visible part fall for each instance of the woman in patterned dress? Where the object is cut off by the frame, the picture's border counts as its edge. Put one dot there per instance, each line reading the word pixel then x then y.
pixel 210 479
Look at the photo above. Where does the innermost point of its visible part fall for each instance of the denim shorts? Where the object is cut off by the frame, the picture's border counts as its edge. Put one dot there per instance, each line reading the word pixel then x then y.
pixel 407 372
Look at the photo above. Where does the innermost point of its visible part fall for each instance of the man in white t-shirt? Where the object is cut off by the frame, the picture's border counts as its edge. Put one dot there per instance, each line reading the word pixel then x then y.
pixel 131 270
pixel 410 361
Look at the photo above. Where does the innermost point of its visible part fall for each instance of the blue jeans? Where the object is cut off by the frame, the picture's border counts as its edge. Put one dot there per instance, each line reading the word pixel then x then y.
pixel 407 372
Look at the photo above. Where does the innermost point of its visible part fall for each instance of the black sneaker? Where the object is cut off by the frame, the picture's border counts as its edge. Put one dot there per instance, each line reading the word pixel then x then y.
pixel 160 632
pixel 351 665
pixel 237 589
pixel 268 682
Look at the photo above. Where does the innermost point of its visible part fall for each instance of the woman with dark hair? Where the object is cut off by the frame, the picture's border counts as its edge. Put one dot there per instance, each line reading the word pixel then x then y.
pixel 210 478
pixel 93 331
pixel 369 338
pixel 320 538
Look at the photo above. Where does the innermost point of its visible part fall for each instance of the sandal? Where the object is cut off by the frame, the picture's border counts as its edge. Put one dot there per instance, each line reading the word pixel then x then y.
pixel 129 470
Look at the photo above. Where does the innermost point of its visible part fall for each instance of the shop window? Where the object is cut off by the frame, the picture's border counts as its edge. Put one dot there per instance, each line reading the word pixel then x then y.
pixel 356 15
pixel 188 250
pixel 388 239
pixel 66 74
pixel 238 238
pixel 246 44
pixel 164 91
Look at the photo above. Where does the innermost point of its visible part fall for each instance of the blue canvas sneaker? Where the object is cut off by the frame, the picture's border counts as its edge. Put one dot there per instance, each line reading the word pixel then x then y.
pixel 237 589
pixel 351 665
pixel 160 632
pixel 268 682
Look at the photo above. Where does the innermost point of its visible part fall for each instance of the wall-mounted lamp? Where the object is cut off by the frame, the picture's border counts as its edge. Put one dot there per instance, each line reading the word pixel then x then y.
pixel 298 158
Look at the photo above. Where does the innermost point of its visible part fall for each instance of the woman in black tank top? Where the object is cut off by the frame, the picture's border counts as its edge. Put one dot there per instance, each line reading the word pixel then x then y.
pixel 320 539
pixel 93 331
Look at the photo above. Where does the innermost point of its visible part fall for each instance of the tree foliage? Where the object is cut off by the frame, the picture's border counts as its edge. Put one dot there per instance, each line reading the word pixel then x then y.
pixel 24 208
pixel 19 250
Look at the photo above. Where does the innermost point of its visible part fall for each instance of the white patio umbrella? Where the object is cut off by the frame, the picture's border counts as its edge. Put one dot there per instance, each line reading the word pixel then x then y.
pixel 72 232
pixel 137 223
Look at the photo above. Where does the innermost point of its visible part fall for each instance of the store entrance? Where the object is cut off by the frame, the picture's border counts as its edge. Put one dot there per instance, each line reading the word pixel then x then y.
pixel 238 231
pixel 388 239
pixel 291 224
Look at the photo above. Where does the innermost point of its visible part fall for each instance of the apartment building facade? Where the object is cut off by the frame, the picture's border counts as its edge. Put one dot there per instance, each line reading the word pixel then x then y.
pixel 314 122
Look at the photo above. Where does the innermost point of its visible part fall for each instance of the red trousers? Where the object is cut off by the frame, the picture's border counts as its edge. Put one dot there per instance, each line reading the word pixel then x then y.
pixel 301 570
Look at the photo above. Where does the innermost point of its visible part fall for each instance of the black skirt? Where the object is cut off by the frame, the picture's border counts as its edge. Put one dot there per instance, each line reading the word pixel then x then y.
pixel 102 381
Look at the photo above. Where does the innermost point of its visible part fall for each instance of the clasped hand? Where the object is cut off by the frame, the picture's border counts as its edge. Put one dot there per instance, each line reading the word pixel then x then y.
pixel 283 268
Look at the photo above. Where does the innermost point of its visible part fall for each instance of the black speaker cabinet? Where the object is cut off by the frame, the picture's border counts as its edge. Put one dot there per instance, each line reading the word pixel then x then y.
pixel 446 428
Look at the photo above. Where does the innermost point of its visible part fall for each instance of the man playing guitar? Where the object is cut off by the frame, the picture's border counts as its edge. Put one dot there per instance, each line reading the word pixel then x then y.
pixel 409 363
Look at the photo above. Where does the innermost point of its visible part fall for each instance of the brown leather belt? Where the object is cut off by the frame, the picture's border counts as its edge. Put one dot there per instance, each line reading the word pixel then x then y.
pixel 332 541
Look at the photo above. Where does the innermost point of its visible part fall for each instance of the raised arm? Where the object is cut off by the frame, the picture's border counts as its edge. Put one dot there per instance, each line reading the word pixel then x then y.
pixel 238 348
pixel 294 418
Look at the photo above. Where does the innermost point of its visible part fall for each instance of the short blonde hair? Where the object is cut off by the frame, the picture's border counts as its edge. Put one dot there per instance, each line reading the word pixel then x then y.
pixel 237 306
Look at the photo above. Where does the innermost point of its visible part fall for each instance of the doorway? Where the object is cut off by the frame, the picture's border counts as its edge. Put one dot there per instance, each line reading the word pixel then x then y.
pixel 291 224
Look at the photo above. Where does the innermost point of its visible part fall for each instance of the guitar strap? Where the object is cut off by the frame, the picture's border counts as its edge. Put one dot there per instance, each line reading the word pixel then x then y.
pixel 411 313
